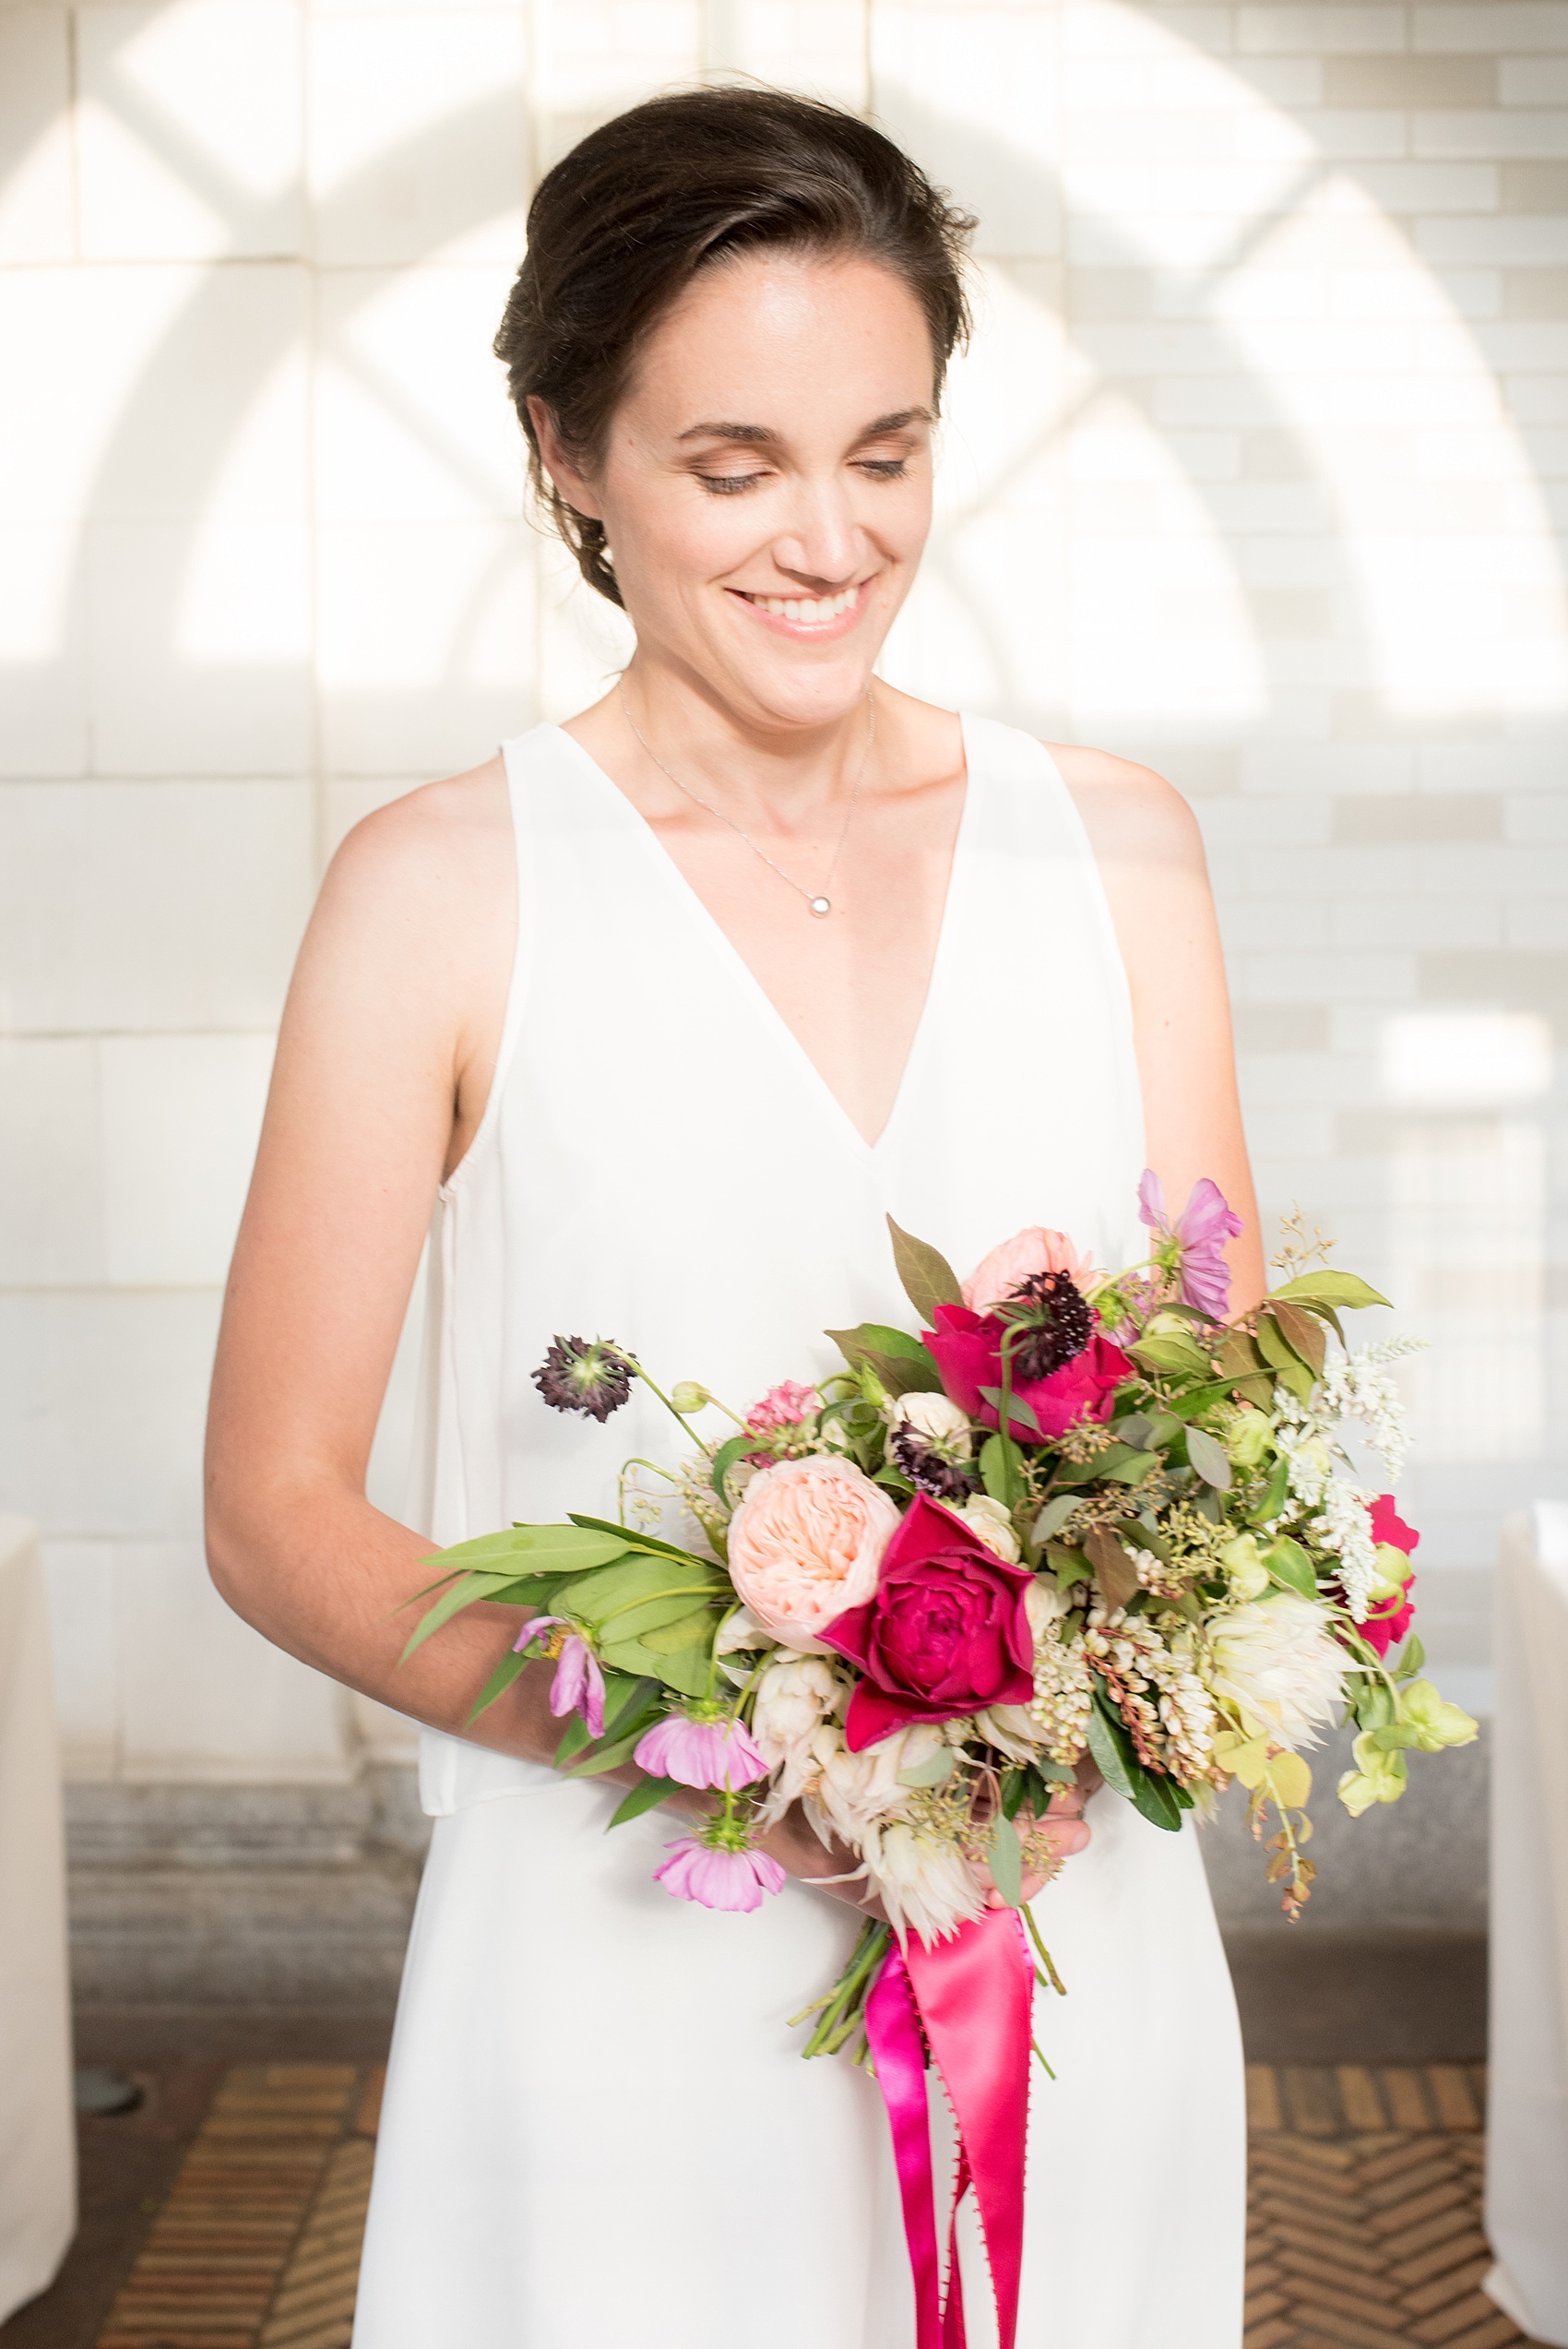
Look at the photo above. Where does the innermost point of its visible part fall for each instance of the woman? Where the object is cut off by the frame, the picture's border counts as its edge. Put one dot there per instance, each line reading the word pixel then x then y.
pixel 662 1011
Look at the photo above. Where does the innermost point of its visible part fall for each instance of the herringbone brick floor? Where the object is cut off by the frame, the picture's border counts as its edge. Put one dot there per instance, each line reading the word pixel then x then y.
pixel 1365 2228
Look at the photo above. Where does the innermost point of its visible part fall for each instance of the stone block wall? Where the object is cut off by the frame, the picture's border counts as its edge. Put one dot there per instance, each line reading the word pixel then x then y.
pixel 1256 470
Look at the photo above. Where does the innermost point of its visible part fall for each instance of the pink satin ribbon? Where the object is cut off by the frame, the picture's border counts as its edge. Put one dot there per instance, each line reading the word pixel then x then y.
pixel 969 2000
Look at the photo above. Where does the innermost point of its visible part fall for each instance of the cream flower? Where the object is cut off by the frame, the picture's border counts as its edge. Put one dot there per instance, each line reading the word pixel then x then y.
pixel 937 1421
pixel 806 1542
pixel 1278 1661
pixel 994 1524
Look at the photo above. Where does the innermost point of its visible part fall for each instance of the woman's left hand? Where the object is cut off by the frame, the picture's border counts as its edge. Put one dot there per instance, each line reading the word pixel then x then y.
pixel 1064 1829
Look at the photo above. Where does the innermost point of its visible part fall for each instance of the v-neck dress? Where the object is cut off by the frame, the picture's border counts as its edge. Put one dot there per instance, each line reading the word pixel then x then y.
pixel 598 2131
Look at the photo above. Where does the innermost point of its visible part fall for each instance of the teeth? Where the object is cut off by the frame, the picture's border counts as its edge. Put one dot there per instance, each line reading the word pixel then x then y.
pixel 811 611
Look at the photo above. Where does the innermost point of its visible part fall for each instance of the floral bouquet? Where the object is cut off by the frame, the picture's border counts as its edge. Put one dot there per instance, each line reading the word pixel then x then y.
pixel 1075 1516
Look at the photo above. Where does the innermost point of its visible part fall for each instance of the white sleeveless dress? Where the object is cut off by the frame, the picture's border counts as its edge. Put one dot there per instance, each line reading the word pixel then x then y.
pixel 598 2131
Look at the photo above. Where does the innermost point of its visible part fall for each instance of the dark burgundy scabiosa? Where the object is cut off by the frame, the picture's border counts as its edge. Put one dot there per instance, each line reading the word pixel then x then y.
pixel 594 1379
pixel 1053 1310
pixel 929 1471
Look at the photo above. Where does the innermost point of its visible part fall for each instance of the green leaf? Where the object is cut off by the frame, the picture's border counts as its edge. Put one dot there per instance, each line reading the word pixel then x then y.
pixel 624 1698
pixel 1412 1655
pixel 1302 1332
pixel 1113 1569
pixel 574 1737
pixel 500 1681
pixel 928 1279
pixel 993 1471
pixel 541 1549
pixel 1015 1785
pixel 453 1600
pixel 1209 1458
pixel 689 1670
pixel 1054 1515
pixel 1021 1418
pixel 643 1544
pixel 1178 1355
pixel 724 1460
pixel 686 1631
pixel 638 1594
pixel 1006 1858
pixel 1153 1798
pixel 1288 1564
pixel 610 1755
pixel 1344 1290
pixel 1131 1471
pixel 646 1798
pixel 900 1361
pixel 1274 1496
pixel 932 1770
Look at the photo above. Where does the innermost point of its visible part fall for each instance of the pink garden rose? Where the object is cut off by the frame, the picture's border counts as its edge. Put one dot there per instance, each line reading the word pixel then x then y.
pixel 946 1632
pixel 1008 1267
pixel 806 1542
pixel 966 1350
pixel 1390 1618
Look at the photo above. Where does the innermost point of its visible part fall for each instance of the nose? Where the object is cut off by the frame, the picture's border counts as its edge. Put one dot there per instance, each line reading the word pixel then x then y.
pixel 826 546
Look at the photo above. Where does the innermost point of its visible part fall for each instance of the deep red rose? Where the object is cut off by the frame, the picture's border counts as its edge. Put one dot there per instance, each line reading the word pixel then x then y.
pixel 946 1632
pixel 1391 1617
pixel 966 1350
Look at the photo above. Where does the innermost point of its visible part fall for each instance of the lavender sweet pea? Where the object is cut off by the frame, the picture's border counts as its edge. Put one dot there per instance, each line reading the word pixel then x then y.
pixel 1200 1232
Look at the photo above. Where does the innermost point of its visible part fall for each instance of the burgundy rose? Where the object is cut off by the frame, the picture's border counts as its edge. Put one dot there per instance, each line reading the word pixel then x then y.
pixel 1391 1617
pixel 946 1632
pixel 966 1350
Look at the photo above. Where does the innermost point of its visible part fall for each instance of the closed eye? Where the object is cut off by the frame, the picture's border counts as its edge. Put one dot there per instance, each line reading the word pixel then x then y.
pixel 884 469
pixel 727 484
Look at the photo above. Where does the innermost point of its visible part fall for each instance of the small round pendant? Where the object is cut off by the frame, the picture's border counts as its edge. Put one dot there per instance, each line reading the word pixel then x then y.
pixel 820 905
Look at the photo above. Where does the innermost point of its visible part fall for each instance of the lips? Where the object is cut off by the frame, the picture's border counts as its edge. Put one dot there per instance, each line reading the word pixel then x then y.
pixel 827 614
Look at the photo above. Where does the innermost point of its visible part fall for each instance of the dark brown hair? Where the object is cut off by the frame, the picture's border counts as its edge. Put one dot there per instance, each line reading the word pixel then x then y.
pixel 619 228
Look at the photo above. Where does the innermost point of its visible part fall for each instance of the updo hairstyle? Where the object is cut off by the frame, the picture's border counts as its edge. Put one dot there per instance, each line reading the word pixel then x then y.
pixel 620 227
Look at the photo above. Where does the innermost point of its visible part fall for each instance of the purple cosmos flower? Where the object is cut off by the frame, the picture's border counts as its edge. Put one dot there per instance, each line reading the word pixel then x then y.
pixel 1200 1231
pixel 578 1685
pixel 718 1877
pixel 700 1753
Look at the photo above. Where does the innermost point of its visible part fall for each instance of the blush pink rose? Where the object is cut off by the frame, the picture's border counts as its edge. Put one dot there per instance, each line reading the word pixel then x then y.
pixel 806 1542
pixel 1017 1261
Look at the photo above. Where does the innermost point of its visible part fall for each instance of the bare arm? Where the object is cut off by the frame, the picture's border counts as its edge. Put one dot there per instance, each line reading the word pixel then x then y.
pixel 1151 858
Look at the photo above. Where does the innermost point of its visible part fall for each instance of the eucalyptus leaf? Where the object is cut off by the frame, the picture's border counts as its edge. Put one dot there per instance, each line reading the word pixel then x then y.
pixel 993 1471
pixel 1289 1565
pixel 1132 1470
pixel 1007 1862
pixel 724 1460
pixel 1111 1748
pixel 1303 1333
pixel 1054 1515
pixel 1209 1458
pixel 1020 1415
pixel 927 1277
pixel 1113 1568
pixel 878 1337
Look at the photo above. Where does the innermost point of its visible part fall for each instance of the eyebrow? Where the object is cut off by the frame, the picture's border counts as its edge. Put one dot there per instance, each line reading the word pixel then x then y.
pixel 763 436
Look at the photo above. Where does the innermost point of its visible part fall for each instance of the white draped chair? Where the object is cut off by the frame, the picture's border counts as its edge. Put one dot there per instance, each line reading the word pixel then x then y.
pixel 38 2146
pixel 1526 2187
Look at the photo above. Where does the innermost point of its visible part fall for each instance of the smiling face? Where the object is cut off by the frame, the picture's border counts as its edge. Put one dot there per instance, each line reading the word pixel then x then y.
pixel 766 484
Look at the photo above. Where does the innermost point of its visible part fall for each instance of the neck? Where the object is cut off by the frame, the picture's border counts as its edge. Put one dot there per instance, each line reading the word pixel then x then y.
pixel 747 761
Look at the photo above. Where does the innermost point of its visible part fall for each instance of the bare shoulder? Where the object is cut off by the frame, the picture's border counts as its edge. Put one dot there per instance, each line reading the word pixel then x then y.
pixel 1132 814
pixel 441 839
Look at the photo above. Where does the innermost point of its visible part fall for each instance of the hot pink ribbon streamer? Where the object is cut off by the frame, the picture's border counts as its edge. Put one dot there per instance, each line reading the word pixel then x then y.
pixel 971 1997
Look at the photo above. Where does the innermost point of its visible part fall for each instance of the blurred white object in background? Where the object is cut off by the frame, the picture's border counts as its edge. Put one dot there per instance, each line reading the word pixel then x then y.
pixel 1526 2185
pixel 38 2146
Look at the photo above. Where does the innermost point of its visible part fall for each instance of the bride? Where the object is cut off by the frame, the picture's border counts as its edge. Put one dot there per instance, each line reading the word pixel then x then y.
pixel 657 1015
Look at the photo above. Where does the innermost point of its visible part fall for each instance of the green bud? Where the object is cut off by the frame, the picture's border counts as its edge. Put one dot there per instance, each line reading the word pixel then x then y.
pixel 1250 1439
pixel 1244 1569
pixel 689 1397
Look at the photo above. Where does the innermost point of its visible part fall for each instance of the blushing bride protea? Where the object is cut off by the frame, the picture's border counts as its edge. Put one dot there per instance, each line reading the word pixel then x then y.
pixel 1278 1661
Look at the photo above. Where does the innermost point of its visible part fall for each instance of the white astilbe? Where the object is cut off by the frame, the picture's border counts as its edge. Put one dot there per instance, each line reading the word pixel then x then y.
pixel 1343 1525
pixel 1360 1386
pixel 926 1884
pixel 1278 1661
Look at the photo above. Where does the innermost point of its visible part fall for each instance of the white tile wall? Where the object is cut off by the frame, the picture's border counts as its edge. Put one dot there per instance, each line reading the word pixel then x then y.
pixel 1259 470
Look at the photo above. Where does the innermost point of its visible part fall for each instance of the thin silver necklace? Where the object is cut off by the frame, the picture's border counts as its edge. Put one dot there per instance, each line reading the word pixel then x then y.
pixel 820 904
